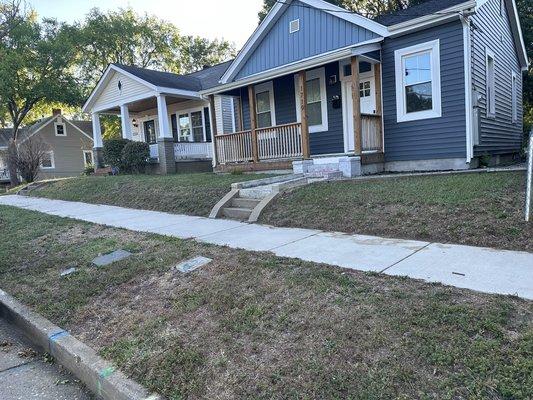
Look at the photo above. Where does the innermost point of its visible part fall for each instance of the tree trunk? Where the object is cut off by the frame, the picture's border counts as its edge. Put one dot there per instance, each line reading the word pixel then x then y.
pixel 12 163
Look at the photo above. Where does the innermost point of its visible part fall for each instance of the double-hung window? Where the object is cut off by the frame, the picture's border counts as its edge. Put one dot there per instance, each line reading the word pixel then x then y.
pixel 190 126
pixel 490 84
pixel 264 105
pixel 47 160
pixel 418 88
pixel 317 110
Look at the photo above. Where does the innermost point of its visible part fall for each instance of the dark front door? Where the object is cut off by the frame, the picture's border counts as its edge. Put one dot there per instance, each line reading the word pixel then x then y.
pixel 149 132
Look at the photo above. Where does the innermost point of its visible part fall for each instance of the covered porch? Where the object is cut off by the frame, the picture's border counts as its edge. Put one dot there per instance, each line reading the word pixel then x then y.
pixel 323 115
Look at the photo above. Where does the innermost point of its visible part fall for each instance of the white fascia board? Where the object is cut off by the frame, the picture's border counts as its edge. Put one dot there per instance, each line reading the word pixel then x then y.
pixel 189 94
pixel 276 12
pixel 519 38
pixel 335 55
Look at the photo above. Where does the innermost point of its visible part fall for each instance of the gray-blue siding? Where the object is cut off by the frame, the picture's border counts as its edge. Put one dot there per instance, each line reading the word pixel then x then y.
pixel 319 33
pixel 497 134
pixel 443 137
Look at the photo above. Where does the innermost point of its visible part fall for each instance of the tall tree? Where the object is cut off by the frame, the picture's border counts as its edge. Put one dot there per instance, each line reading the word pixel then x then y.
pixel 525 11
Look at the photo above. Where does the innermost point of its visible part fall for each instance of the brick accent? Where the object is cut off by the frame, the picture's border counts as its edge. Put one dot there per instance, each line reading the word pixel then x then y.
pixel 167 163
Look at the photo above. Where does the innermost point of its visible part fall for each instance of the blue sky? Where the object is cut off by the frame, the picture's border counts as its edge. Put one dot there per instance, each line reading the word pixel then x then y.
pixel 233 20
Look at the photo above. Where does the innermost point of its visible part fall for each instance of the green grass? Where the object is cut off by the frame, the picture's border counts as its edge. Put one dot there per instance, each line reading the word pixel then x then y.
pixel 193 194
pixel 252 325
pixel 475 209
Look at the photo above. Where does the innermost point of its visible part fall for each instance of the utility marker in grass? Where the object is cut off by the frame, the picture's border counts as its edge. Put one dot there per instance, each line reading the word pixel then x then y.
pixel 529 185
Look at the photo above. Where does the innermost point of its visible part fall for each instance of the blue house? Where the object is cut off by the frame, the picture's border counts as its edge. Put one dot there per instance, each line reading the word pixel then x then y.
pixel 319 89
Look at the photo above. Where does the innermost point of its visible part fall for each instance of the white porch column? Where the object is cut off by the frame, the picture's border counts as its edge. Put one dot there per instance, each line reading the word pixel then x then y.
pixel 125 121
pixel 162 115
pixel 98 144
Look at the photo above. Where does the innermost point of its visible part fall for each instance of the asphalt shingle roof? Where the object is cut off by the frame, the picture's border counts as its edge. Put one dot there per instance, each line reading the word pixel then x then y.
pixel 420 10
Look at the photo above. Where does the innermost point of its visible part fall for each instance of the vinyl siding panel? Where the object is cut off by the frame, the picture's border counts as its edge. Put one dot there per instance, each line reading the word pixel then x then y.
pixel 319 33
pixel 499 134
pixel 111 95
pixel 443 137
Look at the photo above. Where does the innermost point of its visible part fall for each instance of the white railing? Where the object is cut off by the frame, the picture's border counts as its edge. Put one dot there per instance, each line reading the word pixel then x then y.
pixel 371 134
pixel 188 150
pixel 154 151
pixel 4 174
pixel 279 142
pixel 234 147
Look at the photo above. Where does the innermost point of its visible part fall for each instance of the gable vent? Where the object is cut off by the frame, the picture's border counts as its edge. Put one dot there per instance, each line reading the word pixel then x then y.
pixel 294 26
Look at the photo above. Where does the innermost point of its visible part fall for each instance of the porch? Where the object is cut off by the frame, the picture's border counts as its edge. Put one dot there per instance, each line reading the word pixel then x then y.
pixel 336 114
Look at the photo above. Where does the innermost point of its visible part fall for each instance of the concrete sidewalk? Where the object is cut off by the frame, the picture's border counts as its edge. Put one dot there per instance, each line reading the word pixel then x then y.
pixel 24 375
pixel 482 269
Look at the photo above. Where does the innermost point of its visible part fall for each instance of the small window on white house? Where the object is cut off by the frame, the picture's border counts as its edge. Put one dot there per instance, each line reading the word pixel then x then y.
pixel 294 26
pixel 264 105
pixel 47 161
pixel 490 84
pixel 514 97
pixel 60 129
pixel 87 158
pixel 317 105
pixel 418 90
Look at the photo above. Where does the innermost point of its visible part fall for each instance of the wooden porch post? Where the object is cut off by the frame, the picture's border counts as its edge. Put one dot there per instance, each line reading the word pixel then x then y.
pixel 302 89
pixel 379 110
pixel 253 122
pixel 214 130
pixel 356 100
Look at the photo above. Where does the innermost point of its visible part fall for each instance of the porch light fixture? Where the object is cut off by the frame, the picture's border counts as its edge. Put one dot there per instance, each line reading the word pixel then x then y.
pixel 134 123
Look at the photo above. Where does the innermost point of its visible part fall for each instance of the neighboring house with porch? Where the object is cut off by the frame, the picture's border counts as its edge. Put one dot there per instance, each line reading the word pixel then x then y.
pixel 432 87
pixel 68 144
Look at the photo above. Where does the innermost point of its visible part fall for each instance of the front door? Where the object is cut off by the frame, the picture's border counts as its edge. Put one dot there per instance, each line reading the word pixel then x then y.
pixel 149 132
pixel 367 93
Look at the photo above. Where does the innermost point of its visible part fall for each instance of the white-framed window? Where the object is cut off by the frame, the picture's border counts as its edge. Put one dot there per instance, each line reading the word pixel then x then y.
pixel 60 129
pixel 317 103
pixel 418 88
pixel 47 161
pixel 88 158
pixel 294 26
pixel 514 97
pixel 490 88
pixel 264 105
pixel 190 125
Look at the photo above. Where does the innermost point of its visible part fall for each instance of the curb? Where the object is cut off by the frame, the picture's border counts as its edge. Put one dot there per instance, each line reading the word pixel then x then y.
pixel 99 376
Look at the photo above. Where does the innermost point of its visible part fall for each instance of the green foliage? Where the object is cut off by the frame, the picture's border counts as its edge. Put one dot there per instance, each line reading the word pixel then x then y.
pixel 113 152
pixel 135 156
pixel 88 170
pixel 111 126
pixel 525 12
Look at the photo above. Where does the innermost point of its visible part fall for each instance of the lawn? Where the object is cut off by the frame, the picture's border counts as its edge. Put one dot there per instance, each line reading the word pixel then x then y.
pixel 251 325
pixel 193 194
pixel 475 209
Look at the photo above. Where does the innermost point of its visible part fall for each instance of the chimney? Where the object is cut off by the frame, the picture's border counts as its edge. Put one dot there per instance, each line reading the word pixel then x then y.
pixel 56 112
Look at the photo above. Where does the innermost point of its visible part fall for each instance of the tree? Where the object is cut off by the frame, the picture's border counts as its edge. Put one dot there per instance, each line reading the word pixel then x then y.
pixel 525 11
pixel 197 52
pixel 28 157
pixel 35 66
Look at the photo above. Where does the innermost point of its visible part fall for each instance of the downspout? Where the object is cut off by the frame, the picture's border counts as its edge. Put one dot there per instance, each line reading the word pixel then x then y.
pixel 469 108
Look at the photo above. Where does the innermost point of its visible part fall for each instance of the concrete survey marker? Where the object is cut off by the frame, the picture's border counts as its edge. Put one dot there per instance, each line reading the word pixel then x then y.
pixel 68 271
pixel 110 258
pixel 192 264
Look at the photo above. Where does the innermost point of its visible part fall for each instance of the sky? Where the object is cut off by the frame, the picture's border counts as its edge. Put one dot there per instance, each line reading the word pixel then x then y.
pixel 233 20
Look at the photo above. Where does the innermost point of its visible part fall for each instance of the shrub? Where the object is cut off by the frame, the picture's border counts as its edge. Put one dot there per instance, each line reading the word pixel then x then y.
pixel 27 158
pixel 135 156
pixel 113 152
pixel 88 170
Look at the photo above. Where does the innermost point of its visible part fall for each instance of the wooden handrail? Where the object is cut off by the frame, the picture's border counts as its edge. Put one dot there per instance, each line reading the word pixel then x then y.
pixel 233 134
pixel 279 126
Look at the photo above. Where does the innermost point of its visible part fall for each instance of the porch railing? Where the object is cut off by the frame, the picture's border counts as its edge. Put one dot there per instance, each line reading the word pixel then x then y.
pixel 234 147
pixel 371 133
pixel 4 175
pixel 185 150
pixel 282 141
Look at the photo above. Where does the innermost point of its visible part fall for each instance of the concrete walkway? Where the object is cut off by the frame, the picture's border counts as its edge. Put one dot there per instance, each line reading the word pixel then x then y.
pixel 24 375
pixel 481 269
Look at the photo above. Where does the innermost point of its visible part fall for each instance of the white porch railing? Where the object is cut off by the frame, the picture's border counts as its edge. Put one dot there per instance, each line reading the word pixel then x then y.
pixel 4 175
pixel 154 151
pixel 371 133
pixel 188 150
pixel 278 142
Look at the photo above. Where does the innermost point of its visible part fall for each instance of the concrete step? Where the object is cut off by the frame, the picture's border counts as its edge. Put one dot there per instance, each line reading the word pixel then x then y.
pixel 240 214
pixel 259 192
pixel 314 176
pixel 239 202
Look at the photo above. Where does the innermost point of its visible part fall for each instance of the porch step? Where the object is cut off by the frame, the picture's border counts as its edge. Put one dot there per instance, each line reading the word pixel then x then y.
pixel 241 214
pixel 323 176
pixel 240 202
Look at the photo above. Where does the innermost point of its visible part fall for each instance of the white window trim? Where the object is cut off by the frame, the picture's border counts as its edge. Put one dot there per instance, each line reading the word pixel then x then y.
pixel 56 124
pixel 266 87
pixel 490 111
pixel 85 159
pixel 51 160
pixel 436 111
pixel 514 97
pixel 296 28
pixel 319 73
pixel 189 111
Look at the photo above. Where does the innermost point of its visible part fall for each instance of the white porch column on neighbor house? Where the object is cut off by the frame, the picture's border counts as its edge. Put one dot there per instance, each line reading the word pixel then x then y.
pixel 162 116
pixel 98 144
pixel 165 140
pixel 125 121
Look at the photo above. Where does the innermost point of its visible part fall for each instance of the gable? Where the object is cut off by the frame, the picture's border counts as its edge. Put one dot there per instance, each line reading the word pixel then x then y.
pixel 111 93
pixel 320 32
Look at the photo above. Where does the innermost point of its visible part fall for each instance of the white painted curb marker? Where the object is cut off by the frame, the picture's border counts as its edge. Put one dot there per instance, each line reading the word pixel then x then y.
pixel 529 176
